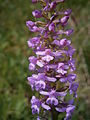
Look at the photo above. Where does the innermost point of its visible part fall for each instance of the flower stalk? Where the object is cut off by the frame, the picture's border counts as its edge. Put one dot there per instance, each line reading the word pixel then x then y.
pixel 54 115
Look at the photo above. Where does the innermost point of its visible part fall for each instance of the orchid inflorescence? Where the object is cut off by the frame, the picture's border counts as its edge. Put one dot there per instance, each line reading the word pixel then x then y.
pixel 53 63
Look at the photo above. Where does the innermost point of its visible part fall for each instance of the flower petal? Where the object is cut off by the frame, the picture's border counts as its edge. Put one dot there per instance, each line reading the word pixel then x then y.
pixel 45 106
pixel 51 79
pixel 44 93
pixel 63 109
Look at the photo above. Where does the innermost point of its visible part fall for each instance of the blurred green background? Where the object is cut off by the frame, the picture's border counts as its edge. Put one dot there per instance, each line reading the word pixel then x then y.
pixel 15 93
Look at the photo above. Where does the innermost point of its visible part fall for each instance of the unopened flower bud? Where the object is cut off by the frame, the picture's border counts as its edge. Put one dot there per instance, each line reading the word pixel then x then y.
pixel 37 13
pixel 64 19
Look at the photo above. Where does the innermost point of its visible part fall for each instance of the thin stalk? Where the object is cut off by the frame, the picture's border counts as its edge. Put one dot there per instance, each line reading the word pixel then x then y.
pixel 54 115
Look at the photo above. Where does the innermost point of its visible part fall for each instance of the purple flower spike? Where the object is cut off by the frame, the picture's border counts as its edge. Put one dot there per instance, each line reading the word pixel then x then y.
pixel 53 62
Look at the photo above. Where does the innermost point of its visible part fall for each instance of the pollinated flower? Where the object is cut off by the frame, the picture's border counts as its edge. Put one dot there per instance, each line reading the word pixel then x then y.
pixel 53 64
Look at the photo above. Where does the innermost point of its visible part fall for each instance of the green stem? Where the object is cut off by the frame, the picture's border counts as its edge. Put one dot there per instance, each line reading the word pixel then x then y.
pixel 54 115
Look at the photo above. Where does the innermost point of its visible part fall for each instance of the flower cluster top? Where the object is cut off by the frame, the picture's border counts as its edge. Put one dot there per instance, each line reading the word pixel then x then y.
pixel 53 63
